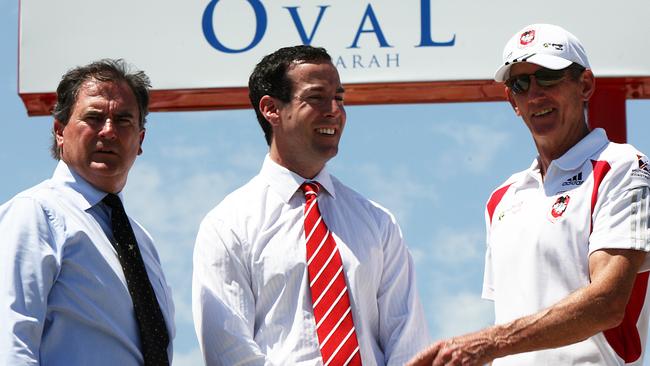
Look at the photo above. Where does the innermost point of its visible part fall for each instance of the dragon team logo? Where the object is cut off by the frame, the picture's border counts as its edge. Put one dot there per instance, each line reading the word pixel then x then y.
pixel 527 37
pixel 560 206
pixel 643 163
pixel 643 171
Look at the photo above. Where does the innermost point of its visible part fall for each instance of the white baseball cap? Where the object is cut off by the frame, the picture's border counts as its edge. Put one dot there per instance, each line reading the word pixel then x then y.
pixel 546 45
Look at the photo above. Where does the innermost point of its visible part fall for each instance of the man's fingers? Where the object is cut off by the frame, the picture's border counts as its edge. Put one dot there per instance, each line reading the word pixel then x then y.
pixel 425 357
pixel 445 355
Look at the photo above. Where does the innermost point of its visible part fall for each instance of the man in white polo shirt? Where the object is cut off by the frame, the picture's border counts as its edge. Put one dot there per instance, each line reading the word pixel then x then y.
pixel 566 238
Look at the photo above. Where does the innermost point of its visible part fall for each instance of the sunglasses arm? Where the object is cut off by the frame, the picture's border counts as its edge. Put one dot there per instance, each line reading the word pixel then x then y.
pixel 508 93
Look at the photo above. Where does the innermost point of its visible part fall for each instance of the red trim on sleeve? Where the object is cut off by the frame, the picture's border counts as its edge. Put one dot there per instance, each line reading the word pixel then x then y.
pixel 495 199
pixel 601 168
pixel 624 338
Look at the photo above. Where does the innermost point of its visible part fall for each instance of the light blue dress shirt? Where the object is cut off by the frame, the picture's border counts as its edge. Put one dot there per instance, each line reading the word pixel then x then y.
pixel 63 296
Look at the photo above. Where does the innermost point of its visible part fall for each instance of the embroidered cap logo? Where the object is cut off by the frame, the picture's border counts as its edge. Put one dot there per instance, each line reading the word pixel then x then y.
pixel 527 37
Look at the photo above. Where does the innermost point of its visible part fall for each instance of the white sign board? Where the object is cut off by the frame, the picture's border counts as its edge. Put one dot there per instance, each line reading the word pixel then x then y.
pixel 194 45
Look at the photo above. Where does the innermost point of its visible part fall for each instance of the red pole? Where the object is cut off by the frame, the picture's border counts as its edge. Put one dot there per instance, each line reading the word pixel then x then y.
pixel 607 108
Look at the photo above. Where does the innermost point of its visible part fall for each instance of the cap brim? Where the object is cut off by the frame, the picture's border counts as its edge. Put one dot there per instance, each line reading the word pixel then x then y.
pixel 502 73
pixel 547 61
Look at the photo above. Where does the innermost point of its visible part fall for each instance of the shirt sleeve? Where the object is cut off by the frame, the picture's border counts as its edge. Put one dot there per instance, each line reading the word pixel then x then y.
pixel 402 326
pixel 223 303
pixel 28 270
pixel 621 212
pixel 488 287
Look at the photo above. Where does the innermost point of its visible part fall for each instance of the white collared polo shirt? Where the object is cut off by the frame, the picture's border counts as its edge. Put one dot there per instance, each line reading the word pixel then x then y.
pixel 540 234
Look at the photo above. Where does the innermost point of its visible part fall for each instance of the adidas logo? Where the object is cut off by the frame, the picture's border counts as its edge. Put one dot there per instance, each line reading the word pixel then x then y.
pixel 576 180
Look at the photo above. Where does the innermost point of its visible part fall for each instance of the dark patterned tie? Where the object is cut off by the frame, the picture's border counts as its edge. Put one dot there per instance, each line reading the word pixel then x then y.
pixel 153 330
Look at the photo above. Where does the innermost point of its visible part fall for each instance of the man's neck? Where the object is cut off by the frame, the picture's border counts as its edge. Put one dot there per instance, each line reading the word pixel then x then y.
pixel 305 170
pixel 303 167
pixel 554 149
pixel 105 184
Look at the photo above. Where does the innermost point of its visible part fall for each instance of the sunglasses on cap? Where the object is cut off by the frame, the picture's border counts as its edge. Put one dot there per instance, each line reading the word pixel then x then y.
pixel 544 77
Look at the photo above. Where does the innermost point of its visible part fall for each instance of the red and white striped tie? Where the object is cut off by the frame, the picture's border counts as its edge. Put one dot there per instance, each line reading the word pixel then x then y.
pixel 329 293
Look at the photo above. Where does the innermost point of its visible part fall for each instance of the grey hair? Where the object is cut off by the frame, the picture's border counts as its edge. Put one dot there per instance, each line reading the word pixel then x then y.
pixel 105 70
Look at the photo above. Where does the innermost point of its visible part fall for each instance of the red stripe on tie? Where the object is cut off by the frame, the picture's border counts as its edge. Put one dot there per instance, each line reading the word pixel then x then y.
pixel 330 299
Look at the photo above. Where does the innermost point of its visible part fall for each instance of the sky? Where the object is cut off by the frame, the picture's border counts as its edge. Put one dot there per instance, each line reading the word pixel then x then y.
pixel 432 165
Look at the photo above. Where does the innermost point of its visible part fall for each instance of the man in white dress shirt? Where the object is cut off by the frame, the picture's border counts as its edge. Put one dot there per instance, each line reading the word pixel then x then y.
pixel 69 296
pixel 567 238
pixel 252 300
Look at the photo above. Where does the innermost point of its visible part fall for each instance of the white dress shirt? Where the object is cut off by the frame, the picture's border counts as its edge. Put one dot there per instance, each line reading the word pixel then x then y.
pixel 64 297
pixel 251 297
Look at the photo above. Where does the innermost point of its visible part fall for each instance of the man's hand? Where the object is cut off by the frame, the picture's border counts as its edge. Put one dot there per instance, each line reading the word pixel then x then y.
pixel 596 307
pixel 468 350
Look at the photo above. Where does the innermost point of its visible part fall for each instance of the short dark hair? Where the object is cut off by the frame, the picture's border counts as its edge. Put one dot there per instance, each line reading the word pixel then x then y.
pixel 105 70
pixel 270 77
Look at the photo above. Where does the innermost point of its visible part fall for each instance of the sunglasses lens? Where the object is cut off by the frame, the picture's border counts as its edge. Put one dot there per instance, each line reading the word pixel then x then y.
pixel 543 77
pixel 519 84
pixel 547 77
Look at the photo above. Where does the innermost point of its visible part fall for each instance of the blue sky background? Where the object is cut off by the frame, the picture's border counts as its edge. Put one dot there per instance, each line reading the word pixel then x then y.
pixel 433 165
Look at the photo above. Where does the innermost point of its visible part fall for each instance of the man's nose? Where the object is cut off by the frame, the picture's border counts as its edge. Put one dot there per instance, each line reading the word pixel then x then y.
pixel 335 107
pixel 108 129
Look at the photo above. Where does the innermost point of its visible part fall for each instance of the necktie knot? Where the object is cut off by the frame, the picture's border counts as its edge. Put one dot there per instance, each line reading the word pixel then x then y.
pixel 310 189
pixel 113 201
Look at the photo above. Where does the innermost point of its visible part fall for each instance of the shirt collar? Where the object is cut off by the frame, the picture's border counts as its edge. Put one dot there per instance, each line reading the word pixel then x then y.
pixel 285 182
pixel 83 194
pixel 572 159
pixel 580 152
pixel 533 173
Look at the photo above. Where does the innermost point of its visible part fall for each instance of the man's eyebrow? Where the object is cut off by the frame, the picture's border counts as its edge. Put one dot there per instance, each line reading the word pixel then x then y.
pixel 339 89
pixel 92 110
pixel 91 113
pixel 315 88
pixel 124 114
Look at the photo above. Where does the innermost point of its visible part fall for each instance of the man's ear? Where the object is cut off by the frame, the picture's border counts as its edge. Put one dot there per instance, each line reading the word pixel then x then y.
pixel 512 101
pixel 588 84
pixel 142 133
pixel 270 109
pixel 58 132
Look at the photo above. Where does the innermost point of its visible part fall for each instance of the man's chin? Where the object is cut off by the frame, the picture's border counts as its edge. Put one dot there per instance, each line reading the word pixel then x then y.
pixel 103 168
pixel 329 150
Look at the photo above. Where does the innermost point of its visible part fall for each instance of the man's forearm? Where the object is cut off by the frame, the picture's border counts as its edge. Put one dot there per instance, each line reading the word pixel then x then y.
pixel 589 310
